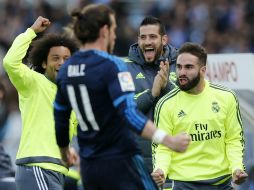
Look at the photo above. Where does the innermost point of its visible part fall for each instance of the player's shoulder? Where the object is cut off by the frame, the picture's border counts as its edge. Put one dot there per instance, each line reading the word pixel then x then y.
pixel 223 91
pixel 169 96
pixel 221 88
pixel 117 62
pixel 126 59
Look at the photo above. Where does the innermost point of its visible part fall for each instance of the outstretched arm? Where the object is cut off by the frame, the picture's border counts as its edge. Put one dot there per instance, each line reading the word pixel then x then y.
pixel 178 143
pixel 20 74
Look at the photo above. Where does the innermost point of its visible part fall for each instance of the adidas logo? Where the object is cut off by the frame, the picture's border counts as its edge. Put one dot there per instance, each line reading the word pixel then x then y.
pixel 181 113
pixel 140 76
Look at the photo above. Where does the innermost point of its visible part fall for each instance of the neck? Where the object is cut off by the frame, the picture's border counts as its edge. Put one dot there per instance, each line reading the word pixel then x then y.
pixel 199 88
pixel 50 79
pixel 98 45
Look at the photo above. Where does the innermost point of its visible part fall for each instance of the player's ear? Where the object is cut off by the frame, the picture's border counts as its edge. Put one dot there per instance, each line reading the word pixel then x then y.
pixel 203 69
pixel 164 40
pixel 44 65
pixel 104 31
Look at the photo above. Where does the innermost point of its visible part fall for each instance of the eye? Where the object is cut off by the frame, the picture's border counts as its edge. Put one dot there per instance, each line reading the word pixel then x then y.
pixel 142 37
pixel 178 66
pixel 55 58
pixel 189 66
pixel 153 36
pixel 66 58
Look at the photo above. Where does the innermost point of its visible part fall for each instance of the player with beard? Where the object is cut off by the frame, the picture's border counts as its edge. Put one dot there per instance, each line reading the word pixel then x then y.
pixel 210 114
pixel 99 88
pixel 151 62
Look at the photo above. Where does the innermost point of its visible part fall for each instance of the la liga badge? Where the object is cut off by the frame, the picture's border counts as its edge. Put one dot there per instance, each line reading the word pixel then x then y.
pixel 126 81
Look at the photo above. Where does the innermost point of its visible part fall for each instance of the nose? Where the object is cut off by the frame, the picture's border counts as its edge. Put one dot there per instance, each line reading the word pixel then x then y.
pixel 180 71
pixel 147 41
pixel 61 61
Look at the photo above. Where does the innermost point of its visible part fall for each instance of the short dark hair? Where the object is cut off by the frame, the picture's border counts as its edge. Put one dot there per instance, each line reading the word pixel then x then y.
pixel 194 49
pixel 151 20
pixel 88 21
pixel 40 49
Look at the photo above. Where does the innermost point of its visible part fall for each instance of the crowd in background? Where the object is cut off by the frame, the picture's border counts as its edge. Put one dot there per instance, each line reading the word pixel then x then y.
pixel 221 26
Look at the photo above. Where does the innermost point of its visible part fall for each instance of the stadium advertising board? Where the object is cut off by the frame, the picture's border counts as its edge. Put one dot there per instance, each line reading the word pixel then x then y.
pixel 235 71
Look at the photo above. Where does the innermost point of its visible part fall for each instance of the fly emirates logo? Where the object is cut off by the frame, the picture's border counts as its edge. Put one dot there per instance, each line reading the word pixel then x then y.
pixel 202 133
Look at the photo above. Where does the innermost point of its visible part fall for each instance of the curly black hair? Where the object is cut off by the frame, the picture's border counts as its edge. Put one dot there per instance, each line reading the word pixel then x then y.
pixel 40 49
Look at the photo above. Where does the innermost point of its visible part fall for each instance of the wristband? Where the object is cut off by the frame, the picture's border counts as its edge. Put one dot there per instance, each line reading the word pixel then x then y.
pixel 158 136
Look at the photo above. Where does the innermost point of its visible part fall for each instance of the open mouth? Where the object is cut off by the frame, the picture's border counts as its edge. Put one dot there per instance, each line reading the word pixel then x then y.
pixel 183 81
pixel 149 53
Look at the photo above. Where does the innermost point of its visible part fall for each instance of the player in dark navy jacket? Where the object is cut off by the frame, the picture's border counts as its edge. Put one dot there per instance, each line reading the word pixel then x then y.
pixel 100 90
pixel 152 64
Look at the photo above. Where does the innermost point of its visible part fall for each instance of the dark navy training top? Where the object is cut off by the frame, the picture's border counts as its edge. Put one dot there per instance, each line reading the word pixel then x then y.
pixel 100 90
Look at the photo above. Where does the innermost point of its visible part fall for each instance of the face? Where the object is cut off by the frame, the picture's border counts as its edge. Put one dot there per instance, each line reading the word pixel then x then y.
pixel 56 57
pixel 189 71
pixel 112 35
pixel 151 42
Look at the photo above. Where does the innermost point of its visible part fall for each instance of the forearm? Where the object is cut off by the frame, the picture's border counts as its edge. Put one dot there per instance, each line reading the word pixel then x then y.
pixel 18 50
pixel 162 159
pixel 234 152
pixel 145 101
pixel 62 128
pixel 234 139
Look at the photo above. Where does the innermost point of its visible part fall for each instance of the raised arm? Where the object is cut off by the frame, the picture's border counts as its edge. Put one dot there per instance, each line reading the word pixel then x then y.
pixel 18 72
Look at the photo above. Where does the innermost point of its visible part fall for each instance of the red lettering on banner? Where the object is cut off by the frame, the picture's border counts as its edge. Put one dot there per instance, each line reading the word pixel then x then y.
pixel 222 72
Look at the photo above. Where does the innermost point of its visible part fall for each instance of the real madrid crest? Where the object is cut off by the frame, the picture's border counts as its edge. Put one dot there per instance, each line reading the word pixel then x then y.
pixel 215 107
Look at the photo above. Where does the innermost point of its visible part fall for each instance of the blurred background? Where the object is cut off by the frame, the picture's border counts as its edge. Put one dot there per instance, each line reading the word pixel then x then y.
pixel 221 26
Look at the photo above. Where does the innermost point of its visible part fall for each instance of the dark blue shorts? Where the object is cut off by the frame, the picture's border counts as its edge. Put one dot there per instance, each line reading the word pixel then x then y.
pixel 116 173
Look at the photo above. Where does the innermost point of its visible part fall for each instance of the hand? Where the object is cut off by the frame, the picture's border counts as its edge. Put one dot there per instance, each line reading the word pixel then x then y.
pixel 157 83
pixel 158 177
pixel 164 72
pixel 239 176
pixel 178 143
pixel 161 79
pixel 40 24
pixel 69 156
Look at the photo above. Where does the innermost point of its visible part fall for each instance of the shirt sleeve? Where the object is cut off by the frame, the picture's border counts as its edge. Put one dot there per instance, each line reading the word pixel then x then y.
pixel 162 154
pixel 234 137
pixel 121 89
pixel 145 100
pixel 62 114
pixel 19 74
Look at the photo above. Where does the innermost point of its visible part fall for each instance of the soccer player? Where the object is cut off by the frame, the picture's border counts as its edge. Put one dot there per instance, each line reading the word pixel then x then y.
pixel 151 61
pixel 38 158
pixel 98 87
pixel 210 114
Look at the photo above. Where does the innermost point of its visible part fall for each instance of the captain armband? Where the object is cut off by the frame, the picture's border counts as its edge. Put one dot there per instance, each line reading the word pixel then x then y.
pixel 158 136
